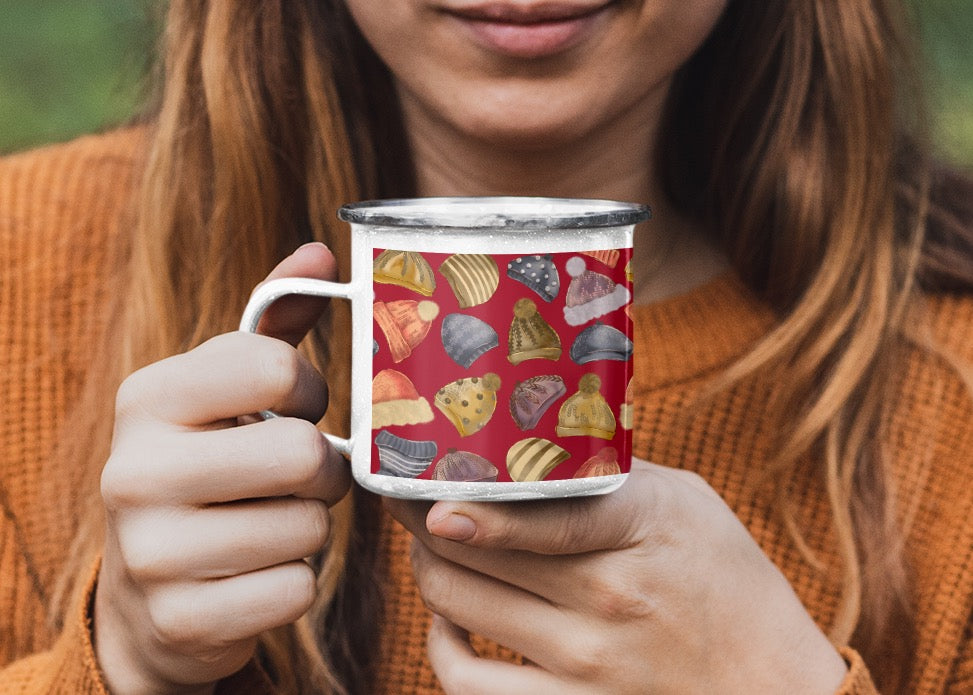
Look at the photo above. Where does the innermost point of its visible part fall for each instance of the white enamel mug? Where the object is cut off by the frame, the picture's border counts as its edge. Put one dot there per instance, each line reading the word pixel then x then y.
pixel 491 345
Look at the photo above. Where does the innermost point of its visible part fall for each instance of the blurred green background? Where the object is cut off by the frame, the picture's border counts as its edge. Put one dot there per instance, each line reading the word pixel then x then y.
pixel 75 66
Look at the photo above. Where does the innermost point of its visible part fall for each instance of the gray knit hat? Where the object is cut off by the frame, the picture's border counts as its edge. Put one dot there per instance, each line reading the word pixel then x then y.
pixel 601 342
pixel 403 458
pixel 466 338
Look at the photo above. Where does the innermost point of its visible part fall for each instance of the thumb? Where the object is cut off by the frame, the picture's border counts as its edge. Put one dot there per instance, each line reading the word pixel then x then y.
pixel 554 526
pixel 291 317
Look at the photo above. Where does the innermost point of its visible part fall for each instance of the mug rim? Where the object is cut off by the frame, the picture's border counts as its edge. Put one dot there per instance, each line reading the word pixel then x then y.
pixel 494 212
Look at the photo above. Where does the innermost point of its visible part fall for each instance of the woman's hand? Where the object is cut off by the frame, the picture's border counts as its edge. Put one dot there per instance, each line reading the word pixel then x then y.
pixel 209 516
pixel 654 588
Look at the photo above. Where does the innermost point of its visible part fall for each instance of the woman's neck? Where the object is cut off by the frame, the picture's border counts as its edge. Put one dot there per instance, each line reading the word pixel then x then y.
pixel 671 255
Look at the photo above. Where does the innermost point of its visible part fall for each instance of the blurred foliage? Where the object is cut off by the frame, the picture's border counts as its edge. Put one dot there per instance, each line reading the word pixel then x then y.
pixel 74 66
pixel 69 67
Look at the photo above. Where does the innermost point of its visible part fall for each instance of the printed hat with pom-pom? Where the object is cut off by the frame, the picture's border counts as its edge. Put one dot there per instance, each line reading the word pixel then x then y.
pixel 591 294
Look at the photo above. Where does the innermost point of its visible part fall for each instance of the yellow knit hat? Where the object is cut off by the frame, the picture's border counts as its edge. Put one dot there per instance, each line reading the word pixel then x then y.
pixel 586 413
pixel 469 403
pixel 406 269
pixel 531 337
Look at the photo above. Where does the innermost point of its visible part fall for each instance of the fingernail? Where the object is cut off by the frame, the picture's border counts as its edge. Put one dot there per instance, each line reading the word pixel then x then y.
pixel 310 244
pixel 454 527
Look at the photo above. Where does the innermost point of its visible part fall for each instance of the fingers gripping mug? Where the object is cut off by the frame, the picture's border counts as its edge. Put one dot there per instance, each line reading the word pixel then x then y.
pixel 491 345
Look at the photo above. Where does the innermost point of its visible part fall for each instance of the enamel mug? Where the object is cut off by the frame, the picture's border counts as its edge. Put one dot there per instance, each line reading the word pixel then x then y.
pixel 491 345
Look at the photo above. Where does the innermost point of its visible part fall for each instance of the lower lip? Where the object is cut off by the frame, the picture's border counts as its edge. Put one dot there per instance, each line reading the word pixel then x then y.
pixel 537 40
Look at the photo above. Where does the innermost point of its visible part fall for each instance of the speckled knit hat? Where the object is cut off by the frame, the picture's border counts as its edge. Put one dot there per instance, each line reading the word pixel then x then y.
pixel 586 413
pixel 406 269
pixel 405 323
pixel 469 403
pixel 538 273
pixel 466 338
pixel 591 294
pixel 473 277
pixel 531 337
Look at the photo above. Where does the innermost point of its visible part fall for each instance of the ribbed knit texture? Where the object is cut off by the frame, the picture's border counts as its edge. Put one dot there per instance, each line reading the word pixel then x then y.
pixel 62 210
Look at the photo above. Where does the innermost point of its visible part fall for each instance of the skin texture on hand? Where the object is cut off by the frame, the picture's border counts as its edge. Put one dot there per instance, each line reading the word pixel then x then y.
pixel 209 513
pixel 656 587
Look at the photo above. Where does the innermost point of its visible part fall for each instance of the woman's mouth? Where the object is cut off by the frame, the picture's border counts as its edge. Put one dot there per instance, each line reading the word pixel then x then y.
pixel 529 31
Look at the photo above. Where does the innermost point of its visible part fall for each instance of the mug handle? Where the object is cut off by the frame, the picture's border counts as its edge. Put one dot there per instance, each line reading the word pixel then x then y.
pixel 269 292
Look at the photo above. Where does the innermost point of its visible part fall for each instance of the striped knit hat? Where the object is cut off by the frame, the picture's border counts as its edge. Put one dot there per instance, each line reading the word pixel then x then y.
pixel 405 269
pixel 403 458
pixel 530 460
pixel 474 277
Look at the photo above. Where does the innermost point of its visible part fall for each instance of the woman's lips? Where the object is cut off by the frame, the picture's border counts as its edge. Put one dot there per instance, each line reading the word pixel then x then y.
pixel 531 31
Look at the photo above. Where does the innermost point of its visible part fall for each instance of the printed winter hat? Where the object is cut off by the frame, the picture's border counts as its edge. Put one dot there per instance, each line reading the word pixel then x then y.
pixel 469 403
pixel 531 398
pixel 607 256
pixel 586 413
pixel 538 273
pixel 403 458
pixel 466 338
pixel 530 460
pixel 474 277
pixel 605 462
pixel 531 337
pixel 601 342
pixel 406 269
pixel 591 294
pixel 626 412
pixel 395 401
pixel 464 467
pixel 405 323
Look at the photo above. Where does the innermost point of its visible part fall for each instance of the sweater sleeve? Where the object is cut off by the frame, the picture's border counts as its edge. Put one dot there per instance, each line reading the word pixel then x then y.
pixel 961 680
pixel 858 681
pixel 70 666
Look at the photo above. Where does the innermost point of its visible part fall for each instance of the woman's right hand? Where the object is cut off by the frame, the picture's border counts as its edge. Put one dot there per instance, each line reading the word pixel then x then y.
pixel 209 513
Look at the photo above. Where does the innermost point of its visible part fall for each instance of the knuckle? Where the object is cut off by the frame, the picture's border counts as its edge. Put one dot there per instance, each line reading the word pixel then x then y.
pixel 592 657
pixel 616 596
pixel 318 521
pixel 145 555
pixel 131 393
pixel 576 527
pixel 299 588
pixel 174 624
pixel 143 562
pixel 456 679
pixel 435 587
pixel 300 450
pixel 119 485
pixel 277 370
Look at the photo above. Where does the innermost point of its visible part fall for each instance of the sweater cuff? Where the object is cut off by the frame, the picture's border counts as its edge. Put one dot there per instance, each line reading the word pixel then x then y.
pixel 858 681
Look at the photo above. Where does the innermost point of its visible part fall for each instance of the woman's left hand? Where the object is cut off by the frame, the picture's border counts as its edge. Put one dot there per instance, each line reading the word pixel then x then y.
pixel 656 587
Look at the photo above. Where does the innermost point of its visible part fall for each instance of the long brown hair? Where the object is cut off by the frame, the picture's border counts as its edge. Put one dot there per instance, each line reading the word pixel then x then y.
pixel 786 131
pixel 806 153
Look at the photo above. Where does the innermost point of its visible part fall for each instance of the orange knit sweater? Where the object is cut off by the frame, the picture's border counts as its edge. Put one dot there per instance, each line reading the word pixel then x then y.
pixel 60 220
